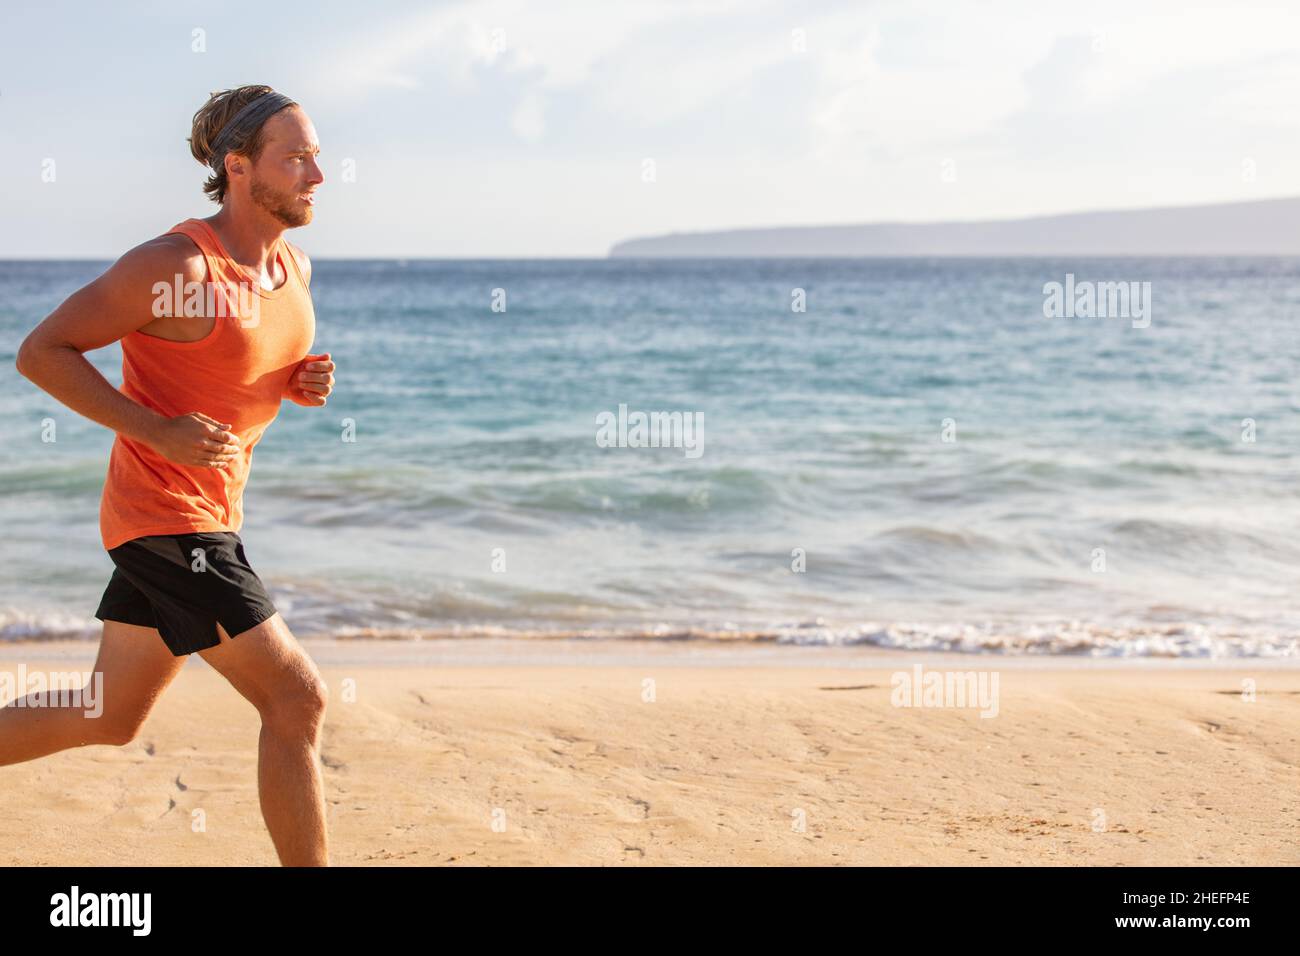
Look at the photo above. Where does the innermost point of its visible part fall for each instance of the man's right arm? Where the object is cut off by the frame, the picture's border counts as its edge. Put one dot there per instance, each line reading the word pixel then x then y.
pixel 117 303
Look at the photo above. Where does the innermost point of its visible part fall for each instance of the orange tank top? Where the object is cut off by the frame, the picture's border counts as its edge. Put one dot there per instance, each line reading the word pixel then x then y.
pixel 238 373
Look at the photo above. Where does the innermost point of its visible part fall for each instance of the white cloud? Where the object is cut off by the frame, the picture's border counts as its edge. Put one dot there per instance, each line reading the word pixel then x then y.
pixel 560 44
pixel 864 106
pixel 528 120
pixel 1267 96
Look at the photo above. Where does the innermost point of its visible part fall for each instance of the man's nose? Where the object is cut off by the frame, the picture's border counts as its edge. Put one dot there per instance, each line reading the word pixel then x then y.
pixel 317 176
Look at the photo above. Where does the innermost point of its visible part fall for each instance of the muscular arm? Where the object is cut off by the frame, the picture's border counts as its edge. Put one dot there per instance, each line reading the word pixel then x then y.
pixel 113 306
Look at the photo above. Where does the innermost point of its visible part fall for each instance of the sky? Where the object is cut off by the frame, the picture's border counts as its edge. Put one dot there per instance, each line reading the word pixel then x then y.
pixel 530 129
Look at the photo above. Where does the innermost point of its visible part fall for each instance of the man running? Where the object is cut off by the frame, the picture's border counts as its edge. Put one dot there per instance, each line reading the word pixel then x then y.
pixel 216 323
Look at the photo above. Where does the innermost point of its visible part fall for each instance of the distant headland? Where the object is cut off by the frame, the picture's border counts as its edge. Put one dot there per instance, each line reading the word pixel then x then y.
pixel 1261 227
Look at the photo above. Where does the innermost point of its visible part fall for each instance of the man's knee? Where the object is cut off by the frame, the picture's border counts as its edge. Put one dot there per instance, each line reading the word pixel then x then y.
pixel 113 730
pixel 298 703
pixel 271 670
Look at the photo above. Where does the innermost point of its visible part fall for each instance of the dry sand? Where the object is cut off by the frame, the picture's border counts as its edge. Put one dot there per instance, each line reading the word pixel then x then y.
pixel 544 763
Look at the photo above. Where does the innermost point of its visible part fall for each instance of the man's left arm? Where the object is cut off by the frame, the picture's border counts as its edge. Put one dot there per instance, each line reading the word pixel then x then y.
pixel 313 378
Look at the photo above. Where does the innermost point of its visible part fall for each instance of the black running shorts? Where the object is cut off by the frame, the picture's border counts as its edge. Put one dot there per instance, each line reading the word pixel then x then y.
pixel 183 584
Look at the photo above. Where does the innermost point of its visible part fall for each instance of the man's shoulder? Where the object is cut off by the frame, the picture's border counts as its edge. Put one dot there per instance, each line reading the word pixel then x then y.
pixel 163 258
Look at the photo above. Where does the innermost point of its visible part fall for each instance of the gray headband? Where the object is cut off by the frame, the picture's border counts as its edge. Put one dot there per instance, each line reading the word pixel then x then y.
pixel 243 123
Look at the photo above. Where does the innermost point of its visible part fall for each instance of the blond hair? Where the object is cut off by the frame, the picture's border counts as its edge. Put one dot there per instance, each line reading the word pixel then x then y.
pixel 211 119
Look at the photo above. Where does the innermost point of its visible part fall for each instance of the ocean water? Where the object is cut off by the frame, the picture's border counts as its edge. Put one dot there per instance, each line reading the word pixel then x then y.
pixel 920 459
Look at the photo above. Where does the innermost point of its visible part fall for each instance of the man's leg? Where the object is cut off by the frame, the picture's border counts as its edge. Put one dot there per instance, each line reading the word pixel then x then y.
pixel 136 667
pixel 268 666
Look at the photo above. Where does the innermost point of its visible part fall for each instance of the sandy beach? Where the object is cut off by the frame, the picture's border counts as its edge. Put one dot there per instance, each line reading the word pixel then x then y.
pixel 589 755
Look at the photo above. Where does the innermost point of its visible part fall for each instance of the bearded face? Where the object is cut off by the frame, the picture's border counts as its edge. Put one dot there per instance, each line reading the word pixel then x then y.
pixel 285 206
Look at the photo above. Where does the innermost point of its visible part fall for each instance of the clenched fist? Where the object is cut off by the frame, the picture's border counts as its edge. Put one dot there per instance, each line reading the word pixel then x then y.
pixel 195 439
pixel 312 380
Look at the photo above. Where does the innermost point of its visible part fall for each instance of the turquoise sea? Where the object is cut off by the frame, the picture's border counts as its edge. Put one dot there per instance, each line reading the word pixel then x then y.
pixel 920 459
